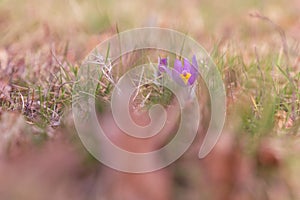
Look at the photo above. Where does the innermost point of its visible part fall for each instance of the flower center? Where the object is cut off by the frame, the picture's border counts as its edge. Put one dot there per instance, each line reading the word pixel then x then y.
pixel 185 76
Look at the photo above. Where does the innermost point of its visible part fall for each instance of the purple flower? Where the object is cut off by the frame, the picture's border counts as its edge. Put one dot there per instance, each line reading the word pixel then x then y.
pixel 163 63
pixel 184 73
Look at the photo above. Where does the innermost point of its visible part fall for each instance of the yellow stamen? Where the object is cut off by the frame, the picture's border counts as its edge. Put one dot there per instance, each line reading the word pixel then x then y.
pixel 185 77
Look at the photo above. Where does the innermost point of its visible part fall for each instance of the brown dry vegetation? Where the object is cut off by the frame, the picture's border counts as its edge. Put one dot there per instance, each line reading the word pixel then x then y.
pixel 257 157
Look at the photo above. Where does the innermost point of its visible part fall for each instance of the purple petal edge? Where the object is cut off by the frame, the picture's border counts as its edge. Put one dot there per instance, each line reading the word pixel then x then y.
pixel 163 61
pixel 187 65
pixel 192 79
pixel 194 68
pixel 178 65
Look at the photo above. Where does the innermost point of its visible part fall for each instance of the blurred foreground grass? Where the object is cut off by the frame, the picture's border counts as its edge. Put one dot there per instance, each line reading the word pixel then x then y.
pixel 43 42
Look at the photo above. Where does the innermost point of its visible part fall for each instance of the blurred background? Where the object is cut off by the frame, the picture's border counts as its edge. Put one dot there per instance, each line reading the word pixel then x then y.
pixel 255 44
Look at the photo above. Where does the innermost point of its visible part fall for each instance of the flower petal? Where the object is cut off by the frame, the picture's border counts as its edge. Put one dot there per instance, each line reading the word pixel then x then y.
pixel 192 79
pixel 163 61
pixel 177 78
pixel 162 64
pixel 162 68
pixel 178 65
pixel 186 65
pixel 194 68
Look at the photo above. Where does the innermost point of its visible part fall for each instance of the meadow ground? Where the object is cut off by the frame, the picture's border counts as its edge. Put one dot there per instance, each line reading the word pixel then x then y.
pixel 255 45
